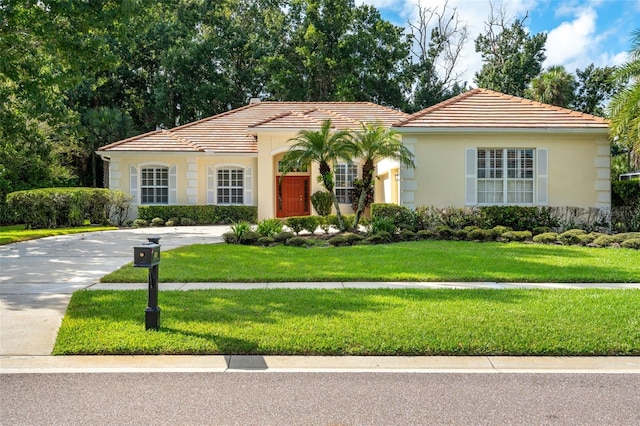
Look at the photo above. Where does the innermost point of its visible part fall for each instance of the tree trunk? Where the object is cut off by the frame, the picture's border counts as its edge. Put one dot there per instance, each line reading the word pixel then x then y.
pixel 341 226
pixel 367 179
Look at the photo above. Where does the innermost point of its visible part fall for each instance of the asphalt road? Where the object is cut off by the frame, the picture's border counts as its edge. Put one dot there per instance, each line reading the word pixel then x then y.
pixel 319 399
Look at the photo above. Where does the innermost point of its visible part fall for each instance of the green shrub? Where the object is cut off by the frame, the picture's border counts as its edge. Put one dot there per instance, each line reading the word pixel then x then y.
pixel 170 223
pixel 632 243
pixel 322 202
pixel 250 238
pixel 297 242
pixel 157 221
pixel 459 234
pixel 234 214
pixel 570 237
pixel 187 221
pixel 480 235
pixel 240 230
pixel 120 207
pixel 427 234
pixel 402 217
pixel 323 222
pixel 625 193
pixel 497 231
pixel 540 230
pixel 294 223
pixel 346 239
pixel 407 235
pixel 444 232
pixel 546 238
pixel 517 235
pixel 382 224
pixel 266 241
pixel 140 223
pixel 310 223
pixel 201 214
pixel 228 237
pixel 626 218
pixel 282 237
pixel 518 218
pixel 57 207
pixel 587 239
pixel 381 237
pixel 269 227
pixel 605 241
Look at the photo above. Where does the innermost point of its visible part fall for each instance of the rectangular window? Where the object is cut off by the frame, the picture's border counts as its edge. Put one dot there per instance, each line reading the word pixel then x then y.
pixel 154 186
pixel 230 186
pixel 505 176
pixel 345 174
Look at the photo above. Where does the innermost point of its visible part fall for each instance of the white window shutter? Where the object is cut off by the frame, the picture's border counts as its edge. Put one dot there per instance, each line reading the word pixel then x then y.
pixel 173 186
pixel 133 183
pixel 542 174
pixel 471 194
pixel 211 185
pixel 248 186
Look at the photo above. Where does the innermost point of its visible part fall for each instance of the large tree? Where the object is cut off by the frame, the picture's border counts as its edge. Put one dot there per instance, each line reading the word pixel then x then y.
pixel 511 56
pixel 338 52
pixel 624 108
pixel 595 86
pixel 372 143
pixel 324 147
pixel 554 86
pixel 437 37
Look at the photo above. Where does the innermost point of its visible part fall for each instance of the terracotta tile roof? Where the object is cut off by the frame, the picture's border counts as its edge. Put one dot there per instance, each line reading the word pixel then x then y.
pixel 231 132
pixel 483 108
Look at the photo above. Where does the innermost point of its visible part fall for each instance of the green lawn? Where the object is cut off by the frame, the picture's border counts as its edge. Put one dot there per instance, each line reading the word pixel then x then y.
pixel 357 322
pixel 16 233
pixel 410 261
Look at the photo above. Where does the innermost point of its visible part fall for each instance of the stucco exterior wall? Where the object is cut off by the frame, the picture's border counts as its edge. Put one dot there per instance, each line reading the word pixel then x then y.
pixel 272 145
pixel 578 166
pixel 190 179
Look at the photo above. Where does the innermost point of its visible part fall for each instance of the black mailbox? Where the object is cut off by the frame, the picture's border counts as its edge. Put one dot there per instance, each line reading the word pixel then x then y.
pixel 146 255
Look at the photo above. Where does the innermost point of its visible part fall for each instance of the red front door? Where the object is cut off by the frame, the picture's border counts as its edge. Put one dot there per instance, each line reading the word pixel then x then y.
pixel 293 196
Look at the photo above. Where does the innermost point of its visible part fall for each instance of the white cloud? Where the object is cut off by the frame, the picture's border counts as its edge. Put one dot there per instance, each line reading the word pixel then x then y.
pixel 571 41
pixel 575 43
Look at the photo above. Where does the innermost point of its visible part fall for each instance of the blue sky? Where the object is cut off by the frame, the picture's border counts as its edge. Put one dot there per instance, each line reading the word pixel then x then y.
pixel 578 32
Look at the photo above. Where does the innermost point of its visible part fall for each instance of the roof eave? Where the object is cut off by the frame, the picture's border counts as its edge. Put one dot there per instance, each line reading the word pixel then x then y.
pixel 512 130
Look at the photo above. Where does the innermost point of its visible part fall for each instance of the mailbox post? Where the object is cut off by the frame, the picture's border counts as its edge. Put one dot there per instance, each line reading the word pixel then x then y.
pixel 148 256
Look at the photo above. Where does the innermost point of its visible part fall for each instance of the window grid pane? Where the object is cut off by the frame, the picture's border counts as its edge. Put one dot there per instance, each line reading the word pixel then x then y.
pixel 154 188
pixel 501 181
pixel 230 186
pixel 345 174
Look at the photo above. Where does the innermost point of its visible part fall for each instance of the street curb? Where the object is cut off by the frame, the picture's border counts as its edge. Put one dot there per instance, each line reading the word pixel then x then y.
pixel 316 364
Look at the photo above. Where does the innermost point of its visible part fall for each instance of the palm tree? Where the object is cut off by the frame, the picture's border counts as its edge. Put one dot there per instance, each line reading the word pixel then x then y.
pixel 323 147
pixel 624 108
pixel 373 143
pixel 555 87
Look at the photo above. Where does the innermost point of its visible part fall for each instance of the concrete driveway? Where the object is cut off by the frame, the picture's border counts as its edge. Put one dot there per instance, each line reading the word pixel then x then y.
pixel 38 277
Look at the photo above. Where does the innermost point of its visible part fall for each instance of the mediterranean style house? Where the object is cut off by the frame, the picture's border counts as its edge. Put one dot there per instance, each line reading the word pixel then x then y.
pixel 479 148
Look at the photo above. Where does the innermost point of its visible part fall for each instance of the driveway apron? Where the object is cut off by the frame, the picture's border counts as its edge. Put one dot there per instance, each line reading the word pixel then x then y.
pixel 37 277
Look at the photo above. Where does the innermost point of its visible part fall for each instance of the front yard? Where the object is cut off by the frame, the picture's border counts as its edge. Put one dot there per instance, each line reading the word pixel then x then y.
pixel 409 261
pixel 357 322
pixel 372 321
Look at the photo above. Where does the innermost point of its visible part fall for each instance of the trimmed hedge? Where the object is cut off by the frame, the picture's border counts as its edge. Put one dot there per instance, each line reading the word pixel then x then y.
pixel 201 215
pixel 625 193
pixel 67 207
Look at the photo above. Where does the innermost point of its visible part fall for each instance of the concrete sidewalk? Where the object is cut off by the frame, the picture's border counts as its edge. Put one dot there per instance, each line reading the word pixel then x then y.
pixel 38 277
